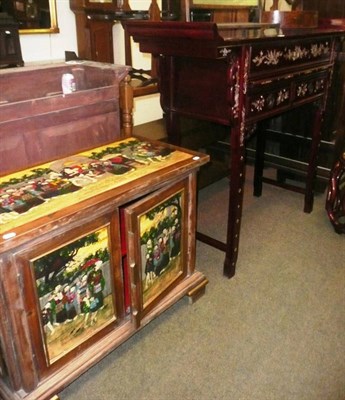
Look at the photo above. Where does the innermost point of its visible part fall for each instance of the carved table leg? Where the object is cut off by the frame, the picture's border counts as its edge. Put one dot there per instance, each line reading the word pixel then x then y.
pixel 335 202
pixel 237 177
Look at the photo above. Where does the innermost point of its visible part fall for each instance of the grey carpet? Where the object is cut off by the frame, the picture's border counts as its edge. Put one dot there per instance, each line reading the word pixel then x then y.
pixel 275 331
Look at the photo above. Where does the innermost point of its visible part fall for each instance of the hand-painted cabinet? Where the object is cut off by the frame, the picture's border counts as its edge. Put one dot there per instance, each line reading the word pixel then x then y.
pixel 92 247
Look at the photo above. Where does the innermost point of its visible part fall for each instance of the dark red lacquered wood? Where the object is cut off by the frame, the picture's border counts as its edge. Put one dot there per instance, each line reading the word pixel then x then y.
pixel 238 77
pixel 335 202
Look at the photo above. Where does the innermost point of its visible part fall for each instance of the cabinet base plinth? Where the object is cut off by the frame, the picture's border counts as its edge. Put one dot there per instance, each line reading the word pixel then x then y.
pixel 197 292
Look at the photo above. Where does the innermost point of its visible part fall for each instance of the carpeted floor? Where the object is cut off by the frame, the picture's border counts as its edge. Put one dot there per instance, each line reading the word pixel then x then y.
pixel 276 331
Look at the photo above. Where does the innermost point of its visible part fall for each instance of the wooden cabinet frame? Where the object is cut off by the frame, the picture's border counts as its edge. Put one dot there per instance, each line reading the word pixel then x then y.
pixel 157 253
pixel 83 319
pixel 48 249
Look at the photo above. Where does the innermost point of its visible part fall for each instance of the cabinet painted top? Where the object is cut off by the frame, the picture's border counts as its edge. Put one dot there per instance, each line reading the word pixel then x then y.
pixel 31 194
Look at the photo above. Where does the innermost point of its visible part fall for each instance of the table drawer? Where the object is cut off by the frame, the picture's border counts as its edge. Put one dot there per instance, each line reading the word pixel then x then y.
pixel 268 97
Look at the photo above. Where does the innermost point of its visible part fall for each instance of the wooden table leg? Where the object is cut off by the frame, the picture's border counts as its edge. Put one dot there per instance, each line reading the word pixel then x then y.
pixel 259 158
pixel 236 188
pixel 312 165
pixel 173 126
pixel 172 119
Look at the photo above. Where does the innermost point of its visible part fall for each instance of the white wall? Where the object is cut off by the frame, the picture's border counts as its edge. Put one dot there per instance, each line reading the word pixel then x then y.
pixel 146 108
pixel 51 47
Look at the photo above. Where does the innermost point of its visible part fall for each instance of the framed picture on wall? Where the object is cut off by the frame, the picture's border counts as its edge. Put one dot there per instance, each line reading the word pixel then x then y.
pixel 157 229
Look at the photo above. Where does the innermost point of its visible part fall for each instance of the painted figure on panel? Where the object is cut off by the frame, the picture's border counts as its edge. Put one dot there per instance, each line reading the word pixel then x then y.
pixel 75 292
pixel 160 236
pixel 37 186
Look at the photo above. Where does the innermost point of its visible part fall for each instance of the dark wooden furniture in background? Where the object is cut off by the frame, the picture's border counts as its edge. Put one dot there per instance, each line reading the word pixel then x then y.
pixel 335 201
pixel 189 10
pixel 38 123
pixel 297 17
pixel 94 24
pixel 326 9
pixel 94 28
pixel 208 72
pixel 332 14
